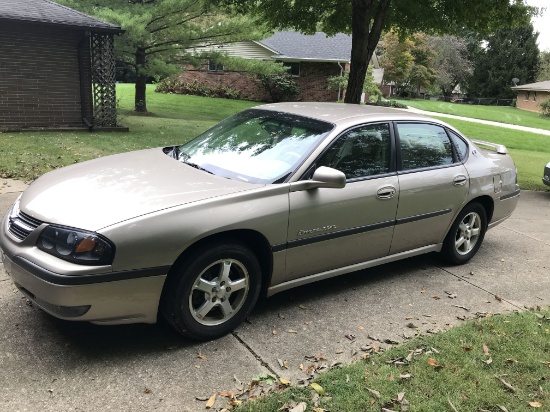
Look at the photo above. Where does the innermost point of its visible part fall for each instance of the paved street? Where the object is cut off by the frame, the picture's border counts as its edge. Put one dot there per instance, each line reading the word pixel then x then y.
pixel 52 365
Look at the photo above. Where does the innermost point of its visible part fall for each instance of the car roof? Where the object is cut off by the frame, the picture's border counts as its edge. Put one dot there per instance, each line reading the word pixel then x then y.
pixel 342 113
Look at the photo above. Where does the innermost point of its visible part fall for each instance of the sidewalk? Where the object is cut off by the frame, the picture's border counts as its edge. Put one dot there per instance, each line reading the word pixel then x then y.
pixel 487 122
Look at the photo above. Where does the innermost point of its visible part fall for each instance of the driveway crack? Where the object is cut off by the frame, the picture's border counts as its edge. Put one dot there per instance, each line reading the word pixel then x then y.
pixel 258 357
pixel 479 287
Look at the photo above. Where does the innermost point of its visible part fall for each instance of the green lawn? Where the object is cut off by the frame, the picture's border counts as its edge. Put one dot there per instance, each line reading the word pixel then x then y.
pixel 177 118
pixel 500 363
pixel 503 114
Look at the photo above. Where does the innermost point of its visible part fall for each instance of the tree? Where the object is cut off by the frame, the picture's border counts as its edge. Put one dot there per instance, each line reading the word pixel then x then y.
pixel 451 62
pixel 509 53
pixel 160 32
pixel 366 19
pixel 408 63
pixel 544 66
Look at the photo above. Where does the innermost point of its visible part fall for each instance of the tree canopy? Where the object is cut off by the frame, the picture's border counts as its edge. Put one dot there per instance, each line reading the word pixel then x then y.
pixel 159 33
pixel 366 19
pixel 508 53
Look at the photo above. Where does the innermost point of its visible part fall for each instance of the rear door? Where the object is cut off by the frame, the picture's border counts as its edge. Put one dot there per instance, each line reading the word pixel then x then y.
pixel 333 228
pixel 433 185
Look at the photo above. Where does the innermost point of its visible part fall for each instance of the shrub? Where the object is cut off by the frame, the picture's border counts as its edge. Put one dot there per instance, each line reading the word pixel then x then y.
pixel 545 107
pixel 281 87
pixel 178 86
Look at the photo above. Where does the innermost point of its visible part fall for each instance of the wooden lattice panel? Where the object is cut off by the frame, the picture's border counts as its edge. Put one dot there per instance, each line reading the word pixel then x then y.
pixel 103 80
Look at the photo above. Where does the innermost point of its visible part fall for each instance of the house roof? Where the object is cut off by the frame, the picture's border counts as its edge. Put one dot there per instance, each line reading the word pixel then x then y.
pixel 48 12
pixel 540 86
pixel 289 45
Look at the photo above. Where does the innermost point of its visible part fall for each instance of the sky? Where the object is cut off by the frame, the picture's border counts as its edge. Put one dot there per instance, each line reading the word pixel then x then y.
pixel 542 24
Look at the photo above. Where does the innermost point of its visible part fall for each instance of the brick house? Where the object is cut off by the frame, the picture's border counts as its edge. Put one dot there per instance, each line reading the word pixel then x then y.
pixel 530 95
pixel 56 67
pixel 311 60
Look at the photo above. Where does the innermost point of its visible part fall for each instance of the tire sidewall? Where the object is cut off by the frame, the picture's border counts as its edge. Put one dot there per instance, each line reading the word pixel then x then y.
pixel 190 268
pixel 449 245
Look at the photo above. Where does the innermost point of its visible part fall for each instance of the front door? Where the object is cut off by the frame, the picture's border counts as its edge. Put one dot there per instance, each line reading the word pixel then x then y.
pixel 333 228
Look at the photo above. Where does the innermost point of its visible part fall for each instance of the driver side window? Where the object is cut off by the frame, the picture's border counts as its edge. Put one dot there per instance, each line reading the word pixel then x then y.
pixel 360 152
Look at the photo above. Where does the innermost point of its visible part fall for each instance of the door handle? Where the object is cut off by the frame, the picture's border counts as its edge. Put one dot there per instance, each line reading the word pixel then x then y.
pixel 460 180
pixel 387 192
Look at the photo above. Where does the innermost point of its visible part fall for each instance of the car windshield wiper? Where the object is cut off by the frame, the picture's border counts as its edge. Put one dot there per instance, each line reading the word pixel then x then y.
pixel 196 166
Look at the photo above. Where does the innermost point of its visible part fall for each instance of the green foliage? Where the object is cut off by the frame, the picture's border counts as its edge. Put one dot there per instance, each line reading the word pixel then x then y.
pixel 509 53
pixel 160 33
pixel 544 67
pixel 370 88
pixel 281 87
pixel 175 85
pixel 545 107
pixel 391 103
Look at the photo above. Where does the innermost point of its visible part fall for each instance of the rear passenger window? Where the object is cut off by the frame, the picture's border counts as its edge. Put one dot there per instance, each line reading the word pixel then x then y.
pixel 460 145
pixel 423 145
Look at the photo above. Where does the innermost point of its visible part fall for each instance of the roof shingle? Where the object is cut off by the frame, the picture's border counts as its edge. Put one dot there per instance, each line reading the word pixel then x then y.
pixel 318 46
pixel 48 12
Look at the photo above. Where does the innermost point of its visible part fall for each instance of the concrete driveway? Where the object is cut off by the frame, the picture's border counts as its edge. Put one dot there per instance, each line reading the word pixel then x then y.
pixel 52 365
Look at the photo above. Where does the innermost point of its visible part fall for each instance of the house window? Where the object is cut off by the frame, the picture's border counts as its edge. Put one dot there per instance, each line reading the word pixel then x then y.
pixel 526 96
pixel 293 68
pixel 214 67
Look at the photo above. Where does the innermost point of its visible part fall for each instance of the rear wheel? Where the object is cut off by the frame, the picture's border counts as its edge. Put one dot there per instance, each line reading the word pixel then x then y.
pixel 466 235
pixel 212 291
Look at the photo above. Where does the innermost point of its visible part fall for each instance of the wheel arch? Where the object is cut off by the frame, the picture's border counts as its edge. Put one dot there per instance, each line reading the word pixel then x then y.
pixel 488 204
pixel 255 241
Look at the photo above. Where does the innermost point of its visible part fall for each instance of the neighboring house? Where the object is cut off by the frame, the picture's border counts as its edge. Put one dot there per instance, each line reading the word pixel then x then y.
pixel 311 60
pixel 529 95
pixel 57 67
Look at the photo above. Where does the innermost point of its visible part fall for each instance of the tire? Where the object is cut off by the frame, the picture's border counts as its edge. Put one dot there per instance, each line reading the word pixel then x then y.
pixel 466 234
pixel 211 291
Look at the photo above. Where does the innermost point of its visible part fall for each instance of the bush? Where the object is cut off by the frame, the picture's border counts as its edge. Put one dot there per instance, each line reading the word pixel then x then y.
pixel 391 103
pixel 281 87
pixel 178 86
pixel 545 107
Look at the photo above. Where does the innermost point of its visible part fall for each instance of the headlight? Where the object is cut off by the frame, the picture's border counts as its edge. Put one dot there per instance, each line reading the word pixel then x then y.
pixel 76 245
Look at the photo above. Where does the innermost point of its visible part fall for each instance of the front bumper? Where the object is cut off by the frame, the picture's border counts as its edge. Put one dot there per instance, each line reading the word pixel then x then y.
pixel 105 298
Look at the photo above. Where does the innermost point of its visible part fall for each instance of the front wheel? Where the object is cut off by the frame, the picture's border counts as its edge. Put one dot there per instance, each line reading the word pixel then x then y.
pixel 466 235
pixel 212 291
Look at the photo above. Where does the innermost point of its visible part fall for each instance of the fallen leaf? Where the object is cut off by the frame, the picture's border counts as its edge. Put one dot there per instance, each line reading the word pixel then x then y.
pixel 211 402
pixel 489 361
pixel 502 408
pixel 319 410
pixel 301 407
pixel 400 397
pixel 350 336
pixel 202 357
pixel 436 297
pixel 147 390
pixel 506 384
pixel 485 349
pixel 423 290
pixel 284 381
pixel 361 327
pixel 433 362
pixel 235 402
pixel 318 388
pixel 468 349
pixel 202 398
pixel 510 360
pixel 273 332
pixel 497 297
pixel 405 376
pixel 303 307
pixel 375 393
pixel 535 404
pixel 227 394
pixel 292 331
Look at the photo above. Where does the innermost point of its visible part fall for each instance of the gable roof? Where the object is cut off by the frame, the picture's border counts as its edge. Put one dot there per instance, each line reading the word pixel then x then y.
pixel 540 86
pixel 289 45
pixel 50 13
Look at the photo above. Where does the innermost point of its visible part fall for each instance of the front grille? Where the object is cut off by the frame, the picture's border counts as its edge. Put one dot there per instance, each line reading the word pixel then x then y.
pixel 21 225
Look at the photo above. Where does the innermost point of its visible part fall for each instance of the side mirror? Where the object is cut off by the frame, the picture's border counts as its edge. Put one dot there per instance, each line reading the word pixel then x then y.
pixel 323 177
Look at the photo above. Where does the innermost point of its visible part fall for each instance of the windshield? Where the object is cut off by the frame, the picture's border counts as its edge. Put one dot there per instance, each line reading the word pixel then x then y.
pixel 256 146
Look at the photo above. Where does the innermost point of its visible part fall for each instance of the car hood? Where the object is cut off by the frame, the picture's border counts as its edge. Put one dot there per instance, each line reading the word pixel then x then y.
pixel 101 192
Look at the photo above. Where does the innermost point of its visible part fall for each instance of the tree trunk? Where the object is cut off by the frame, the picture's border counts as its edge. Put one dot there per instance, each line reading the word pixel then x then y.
pixel 141 82
pixel 363 42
